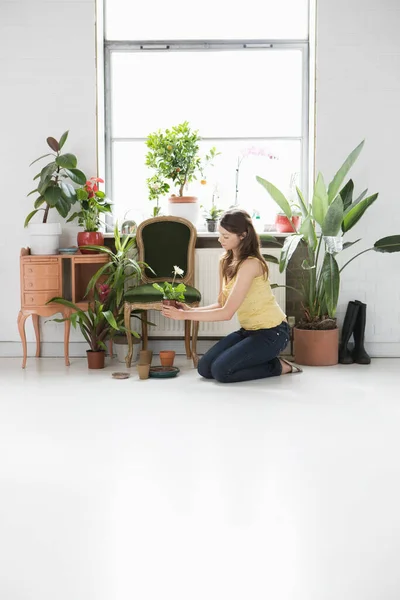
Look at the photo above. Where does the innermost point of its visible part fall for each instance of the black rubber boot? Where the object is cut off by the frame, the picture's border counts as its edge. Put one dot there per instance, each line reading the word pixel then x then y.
pixel 349 323
pixel 359 354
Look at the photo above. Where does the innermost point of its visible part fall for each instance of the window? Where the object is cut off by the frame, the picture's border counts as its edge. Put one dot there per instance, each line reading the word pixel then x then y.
pixel 247 96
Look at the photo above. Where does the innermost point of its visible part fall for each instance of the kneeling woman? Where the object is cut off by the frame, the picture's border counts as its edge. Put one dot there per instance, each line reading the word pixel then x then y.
pixel 252 352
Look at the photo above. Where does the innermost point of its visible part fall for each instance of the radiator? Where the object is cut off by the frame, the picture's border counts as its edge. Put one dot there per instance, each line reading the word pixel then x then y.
pixel 207 281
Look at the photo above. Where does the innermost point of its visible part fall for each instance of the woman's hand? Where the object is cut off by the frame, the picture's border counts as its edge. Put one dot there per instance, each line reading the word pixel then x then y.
pixel 183 306
pixel 174 313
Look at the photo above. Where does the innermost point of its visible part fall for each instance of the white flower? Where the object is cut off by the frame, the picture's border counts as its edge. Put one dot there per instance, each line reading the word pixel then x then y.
pixel 156 186
pixel 177 270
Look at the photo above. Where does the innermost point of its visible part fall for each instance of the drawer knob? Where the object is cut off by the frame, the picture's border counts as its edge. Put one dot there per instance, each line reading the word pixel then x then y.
pixel 30 271
pixel 32 298
pixel 31 284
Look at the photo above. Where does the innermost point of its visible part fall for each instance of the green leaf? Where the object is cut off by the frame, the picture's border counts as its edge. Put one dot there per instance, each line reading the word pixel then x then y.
pixel 333 219
pixel 54 145
pixel 110 318
pixel 39 201
pixel 29 217
pixel 52 195
pixel 349 244
pixel 388 244
pixel 271 259
pixel 346 194
pixel 303 204
pixel 67 161
pixel 68 190
pixel 76 215
pixel 63 207
pixel 47 172
pixel 331 281
pixel 32 192
pixel 76 176
pixel 354 213
pixel 269 238
pixel 341 174
pixel 290 245
pixel 306 265
pixel 63 139
pixel 307 230
pixel 277 196
pixel 40 158
pixel 157 287
pixel 320 202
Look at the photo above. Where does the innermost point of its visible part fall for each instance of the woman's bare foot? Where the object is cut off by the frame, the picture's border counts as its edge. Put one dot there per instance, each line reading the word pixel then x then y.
pixel 288 367
pixel 285 367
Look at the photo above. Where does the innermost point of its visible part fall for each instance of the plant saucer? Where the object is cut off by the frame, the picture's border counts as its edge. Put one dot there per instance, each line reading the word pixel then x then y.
pixel 120 375
pixel 163 372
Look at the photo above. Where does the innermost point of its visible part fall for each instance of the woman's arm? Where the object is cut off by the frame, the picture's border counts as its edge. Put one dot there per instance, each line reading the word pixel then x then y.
pixel 183 306
pixel 247 272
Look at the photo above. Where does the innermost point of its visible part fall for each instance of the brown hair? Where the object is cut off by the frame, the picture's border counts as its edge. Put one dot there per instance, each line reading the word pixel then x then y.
pixel 239 222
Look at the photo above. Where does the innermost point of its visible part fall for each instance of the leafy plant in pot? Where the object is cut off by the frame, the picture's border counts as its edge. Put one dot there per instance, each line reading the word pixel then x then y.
pixel 211 216
pixel 172 294
pixel 93 203
pixel 54 190
pixel 331 214
pixel 174 156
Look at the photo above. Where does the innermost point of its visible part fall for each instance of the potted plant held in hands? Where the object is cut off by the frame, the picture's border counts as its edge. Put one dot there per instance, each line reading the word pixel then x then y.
pixel 93 203
pixel 172 293
pixel 54 190
pixel 330 215
pixel 174 157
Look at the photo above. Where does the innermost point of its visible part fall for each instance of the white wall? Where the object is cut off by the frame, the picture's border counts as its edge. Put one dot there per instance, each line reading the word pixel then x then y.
pixel 358 96
pixel 47 66
pixel 48 85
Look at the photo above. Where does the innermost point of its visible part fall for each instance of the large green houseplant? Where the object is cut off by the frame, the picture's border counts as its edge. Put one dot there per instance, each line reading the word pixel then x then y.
pixel 54 190
pixel 174 157
pixel 330 215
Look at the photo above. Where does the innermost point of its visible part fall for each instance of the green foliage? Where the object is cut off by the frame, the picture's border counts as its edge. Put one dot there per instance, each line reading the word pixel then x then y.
pixel 330 214
pixel 174 156
pixel 93 203
pixel 54 190
pixel 171 291
pixel 213 214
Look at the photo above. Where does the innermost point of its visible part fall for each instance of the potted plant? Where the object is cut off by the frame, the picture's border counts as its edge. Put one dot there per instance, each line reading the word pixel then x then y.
pixel 285 225
pixel 174 156
pixel 331 214
pixel 54 190
pixel 211 216
pixel 93 203
pixel 172 293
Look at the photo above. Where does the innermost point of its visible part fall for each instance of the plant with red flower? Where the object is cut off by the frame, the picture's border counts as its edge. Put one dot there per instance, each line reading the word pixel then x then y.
pixel 93 203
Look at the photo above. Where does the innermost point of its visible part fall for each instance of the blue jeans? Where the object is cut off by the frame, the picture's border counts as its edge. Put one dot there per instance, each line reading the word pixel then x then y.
pixel 244 355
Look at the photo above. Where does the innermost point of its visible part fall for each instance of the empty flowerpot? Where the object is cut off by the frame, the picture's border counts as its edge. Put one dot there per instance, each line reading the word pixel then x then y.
pixel 143 371
pixel 167 358
pixel 145 357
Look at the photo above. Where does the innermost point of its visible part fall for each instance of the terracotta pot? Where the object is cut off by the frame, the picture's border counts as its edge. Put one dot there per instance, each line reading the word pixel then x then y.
pixel 169 302
pixel 90 238
pixel 95 359
pixel 283 225
pixel 182 199
pixel 145 357
pixel 316 348
pixel 185 207
pixel 167 358
pixel 211 225
pixel 143 371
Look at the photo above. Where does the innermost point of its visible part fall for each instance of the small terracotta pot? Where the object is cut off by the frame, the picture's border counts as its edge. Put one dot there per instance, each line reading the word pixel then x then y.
pixel 143 371
pixel 145 357
pixel 283 225
pixel 90 238
pixel 95 359
pixel 169 303
pixel 182 199
pixel 316 348
pixel 167 358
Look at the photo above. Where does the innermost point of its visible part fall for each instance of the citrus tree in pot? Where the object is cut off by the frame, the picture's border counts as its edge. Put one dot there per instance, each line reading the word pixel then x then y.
pixel 54 190
pixel 330 215
pixel 174 157
pixel 93 203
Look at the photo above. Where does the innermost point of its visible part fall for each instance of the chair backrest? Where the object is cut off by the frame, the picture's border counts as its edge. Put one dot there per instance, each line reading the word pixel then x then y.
pixel 164 242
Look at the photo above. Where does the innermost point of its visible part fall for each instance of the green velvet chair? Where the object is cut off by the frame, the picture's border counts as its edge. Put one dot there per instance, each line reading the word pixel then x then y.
pixel 163 242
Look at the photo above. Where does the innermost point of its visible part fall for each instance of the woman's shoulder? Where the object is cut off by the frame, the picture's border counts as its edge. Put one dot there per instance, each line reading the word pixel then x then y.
pixel 252 265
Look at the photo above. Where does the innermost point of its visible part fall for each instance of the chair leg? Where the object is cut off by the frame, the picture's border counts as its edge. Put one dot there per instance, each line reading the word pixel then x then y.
pixel 194 343
pixel 144 330
pixel 127 323
pixel 187 339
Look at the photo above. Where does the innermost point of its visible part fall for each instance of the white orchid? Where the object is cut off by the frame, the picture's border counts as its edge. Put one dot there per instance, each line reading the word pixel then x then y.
pixel 177 271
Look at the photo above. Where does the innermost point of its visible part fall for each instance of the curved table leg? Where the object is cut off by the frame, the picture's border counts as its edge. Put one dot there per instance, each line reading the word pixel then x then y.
pixel 21 328
pixel 187 339
pixel 67 329
pixel 194 343
pixel 35 319
pixel 127 323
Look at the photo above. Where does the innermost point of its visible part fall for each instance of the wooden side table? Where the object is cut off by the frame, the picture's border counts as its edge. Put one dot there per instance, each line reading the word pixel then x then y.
pixel 44 277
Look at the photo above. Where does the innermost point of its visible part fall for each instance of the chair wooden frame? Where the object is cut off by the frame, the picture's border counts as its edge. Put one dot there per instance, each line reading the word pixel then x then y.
pixel 191 332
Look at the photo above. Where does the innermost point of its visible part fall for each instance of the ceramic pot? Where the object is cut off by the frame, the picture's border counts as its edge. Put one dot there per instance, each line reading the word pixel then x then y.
pixel 95 359
pixel 211 225
pixel 90 238
pixel 283 225
pixel 316 348
pixel 167 358
pixel 186 207
pixel 143 371
pixel 44 238
pixel 145 357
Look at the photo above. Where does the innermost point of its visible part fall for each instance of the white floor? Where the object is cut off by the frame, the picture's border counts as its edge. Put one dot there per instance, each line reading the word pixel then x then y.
pixel 287 489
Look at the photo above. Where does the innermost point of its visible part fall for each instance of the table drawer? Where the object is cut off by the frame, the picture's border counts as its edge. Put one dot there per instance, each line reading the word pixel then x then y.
pixel 41 271
pixel 40 283
pixel 39 298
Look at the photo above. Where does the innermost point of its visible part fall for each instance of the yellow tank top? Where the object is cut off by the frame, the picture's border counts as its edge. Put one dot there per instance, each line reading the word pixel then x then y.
pixel 259 309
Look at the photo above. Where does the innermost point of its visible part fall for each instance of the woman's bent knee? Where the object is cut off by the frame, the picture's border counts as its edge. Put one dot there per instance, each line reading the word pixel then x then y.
pixel 204 369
